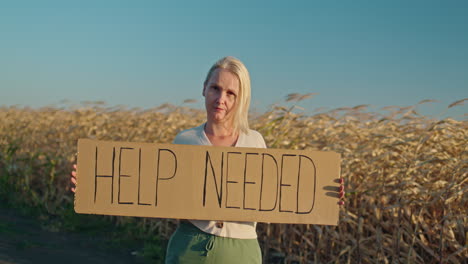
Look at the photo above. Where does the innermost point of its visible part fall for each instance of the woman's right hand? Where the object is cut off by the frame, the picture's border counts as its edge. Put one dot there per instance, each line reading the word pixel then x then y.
pixel 73 179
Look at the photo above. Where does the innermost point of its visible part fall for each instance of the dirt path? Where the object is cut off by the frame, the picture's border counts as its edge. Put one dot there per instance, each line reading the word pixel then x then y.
pixel 22 240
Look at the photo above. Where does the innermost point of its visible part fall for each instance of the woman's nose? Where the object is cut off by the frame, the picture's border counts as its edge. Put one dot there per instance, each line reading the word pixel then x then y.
pixel 221 97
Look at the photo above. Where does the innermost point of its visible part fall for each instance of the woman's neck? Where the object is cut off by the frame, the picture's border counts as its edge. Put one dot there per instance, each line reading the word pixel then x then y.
pixel 219 129
pixel 221 134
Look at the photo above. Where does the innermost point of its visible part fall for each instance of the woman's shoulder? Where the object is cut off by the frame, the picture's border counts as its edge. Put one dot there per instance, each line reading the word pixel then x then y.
pixel 254 134
pixel 255 138
pixel 189 136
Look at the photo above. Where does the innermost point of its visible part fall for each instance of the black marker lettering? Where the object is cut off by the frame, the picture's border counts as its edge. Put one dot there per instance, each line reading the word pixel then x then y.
pixel 104 176
pixel 157 171
pixel 262 182
pixel 219 193
pixel 139 178
pixel 228 181
pixel 281 182
pixel 245 180
pixel 315 184
pixel 121 175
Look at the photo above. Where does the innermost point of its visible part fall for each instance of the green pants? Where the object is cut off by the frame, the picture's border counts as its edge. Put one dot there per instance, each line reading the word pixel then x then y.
pixel 189 244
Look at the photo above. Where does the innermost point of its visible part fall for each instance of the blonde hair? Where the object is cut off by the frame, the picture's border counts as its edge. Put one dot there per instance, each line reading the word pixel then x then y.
pixel 236 67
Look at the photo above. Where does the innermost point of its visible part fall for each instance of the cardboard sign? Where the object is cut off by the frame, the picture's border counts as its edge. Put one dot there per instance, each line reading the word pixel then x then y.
pixel 207 183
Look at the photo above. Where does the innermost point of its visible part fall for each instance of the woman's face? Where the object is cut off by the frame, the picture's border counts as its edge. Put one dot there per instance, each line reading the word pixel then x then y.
pixel 221 92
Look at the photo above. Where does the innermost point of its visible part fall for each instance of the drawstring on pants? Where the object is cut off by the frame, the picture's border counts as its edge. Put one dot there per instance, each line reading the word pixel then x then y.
pixel 209 245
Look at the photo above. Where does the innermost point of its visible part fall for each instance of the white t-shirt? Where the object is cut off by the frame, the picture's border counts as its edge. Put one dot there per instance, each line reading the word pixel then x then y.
pixel 197 136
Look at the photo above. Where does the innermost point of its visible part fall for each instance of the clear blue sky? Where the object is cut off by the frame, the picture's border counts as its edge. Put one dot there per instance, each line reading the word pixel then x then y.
pixel 145 53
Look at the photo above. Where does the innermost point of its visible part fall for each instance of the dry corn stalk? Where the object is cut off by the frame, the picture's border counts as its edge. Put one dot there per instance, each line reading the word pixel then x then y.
pixel 406 175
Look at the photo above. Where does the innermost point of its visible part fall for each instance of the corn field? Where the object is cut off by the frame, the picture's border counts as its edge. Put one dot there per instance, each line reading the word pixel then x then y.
pixel 406 175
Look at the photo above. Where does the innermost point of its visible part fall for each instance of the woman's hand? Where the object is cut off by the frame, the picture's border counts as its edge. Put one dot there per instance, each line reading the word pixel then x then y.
pixel 342 192
pixel 73 179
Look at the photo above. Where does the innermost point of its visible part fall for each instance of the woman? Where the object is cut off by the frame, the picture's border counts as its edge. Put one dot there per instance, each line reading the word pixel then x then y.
pixel 227 98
